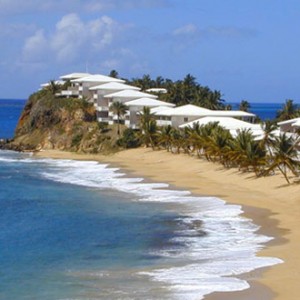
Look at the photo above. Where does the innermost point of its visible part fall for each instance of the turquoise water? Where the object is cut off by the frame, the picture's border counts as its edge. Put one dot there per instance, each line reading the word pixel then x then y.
pixel 83 230
pixel 50 229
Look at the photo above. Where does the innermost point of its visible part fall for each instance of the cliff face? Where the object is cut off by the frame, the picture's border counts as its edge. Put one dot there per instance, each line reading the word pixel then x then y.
pixel 70 124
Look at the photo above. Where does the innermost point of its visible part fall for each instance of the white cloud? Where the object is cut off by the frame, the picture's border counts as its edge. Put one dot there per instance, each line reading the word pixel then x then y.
pixel 36 46
pixel 185 30
pixel 72 39
pixel 192 31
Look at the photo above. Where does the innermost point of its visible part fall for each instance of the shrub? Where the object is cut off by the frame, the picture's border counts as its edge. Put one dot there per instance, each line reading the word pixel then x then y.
pixel 129 139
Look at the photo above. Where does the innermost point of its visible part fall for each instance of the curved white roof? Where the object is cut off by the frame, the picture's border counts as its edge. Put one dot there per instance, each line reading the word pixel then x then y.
pixel 185 110
pixel 58 82
pixel 291 121
pixel 74 76
pixel 296 123
pixel 158 109
pixel 114 86
pixel 130 94
pixel 97 78
pixel 149 102
pixel 228 123
pixel 230 113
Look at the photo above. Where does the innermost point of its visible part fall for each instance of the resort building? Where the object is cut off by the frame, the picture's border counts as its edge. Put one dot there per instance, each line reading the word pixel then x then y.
pixel 188 113
pixel 101 103
pixel 136 108
pixel 104 90
pixel 232 124
pixel 72 90
pixel 84 84
pixel 121 96
pixel 290 126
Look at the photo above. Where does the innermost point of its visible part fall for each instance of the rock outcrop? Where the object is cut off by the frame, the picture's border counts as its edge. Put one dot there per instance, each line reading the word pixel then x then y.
pixel 70 124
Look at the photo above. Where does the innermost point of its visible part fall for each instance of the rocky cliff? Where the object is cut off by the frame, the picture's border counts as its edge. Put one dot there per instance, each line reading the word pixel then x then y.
pixel 48 122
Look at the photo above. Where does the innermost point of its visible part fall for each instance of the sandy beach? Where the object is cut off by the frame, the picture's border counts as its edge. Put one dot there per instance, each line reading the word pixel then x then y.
pixel 269 201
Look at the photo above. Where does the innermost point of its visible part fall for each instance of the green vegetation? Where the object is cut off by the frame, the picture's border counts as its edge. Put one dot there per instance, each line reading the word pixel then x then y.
pixel 180 92
pixel 119 109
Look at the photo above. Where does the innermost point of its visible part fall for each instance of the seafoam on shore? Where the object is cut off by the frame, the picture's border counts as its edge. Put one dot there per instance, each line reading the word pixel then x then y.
pixel 219 244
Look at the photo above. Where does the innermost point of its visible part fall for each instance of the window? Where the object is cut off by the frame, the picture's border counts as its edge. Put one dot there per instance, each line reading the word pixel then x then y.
pixel 185 119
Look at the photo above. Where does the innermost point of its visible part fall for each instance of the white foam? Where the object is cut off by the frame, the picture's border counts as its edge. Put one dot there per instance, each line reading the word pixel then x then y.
pixel 228 249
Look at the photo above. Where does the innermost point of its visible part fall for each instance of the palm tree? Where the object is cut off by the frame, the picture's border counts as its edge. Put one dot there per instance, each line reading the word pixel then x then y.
pixel 288 111
pixel 285 156
pixel 119 109
pixel 148 127
pixel 53 87
pixel 114 74
pixel 244 105
pixel 268 127
pixel 218 144
pixel 165 137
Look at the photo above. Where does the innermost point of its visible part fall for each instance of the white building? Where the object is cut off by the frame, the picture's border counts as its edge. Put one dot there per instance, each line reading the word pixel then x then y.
pixel 187 113
pixel 136 107
pixel 85 83
pixel 101 103
pixel 290 126
pixel 232 124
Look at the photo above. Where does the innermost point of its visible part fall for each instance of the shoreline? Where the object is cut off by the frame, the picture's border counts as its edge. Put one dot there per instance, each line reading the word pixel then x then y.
pixel 257 197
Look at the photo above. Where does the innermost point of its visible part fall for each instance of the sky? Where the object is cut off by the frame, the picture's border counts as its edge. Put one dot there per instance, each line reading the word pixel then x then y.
pixel 247 49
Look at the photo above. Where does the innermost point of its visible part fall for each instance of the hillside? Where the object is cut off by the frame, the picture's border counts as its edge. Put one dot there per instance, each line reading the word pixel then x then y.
pixel 48 122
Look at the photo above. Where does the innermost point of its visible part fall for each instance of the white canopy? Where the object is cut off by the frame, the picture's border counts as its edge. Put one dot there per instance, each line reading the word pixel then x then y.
pixel 185 110
pixel 291 121
pixel 130 94
pixel 228 123
pixel 149 102
pixel 97 78
pixel 296 123
pixel 74 76
pixel 58 82
pixel 114 86
pixel 230 113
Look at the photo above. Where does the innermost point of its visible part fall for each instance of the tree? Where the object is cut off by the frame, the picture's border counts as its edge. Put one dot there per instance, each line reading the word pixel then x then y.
pixel 165 137
pixel 53 87
pixel 114 74
pixel 148 127
pixel 285 156
pixel 268 139
pixel 244 105
pixel 119 109
pixel 288 111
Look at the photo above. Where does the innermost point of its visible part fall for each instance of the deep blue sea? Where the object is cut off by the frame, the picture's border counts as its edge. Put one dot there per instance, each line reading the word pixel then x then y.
pixel 83 230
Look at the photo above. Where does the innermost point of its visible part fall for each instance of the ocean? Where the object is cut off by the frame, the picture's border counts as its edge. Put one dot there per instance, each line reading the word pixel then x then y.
pixel 84 230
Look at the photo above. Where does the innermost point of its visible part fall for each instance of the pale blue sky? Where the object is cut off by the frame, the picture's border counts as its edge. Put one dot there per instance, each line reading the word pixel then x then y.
pixel 247 49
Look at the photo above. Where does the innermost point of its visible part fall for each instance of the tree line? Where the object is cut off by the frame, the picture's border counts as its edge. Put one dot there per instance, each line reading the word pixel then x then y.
pixel 216 144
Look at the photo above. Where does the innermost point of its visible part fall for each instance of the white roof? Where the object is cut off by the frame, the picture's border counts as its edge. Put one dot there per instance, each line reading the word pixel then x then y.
pixel 297 123
pixel 114 86
pixel 74 76
pixel 228 123
pixel 149 102
pixel 185 110
pixel 97 78
pixel 230 113
pixel 58 82
pixel 130 94
pixel 289 121
pixel 157 109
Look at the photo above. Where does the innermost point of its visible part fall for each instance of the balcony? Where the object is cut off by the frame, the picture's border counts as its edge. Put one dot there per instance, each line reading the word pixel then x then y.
pixel 102 108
